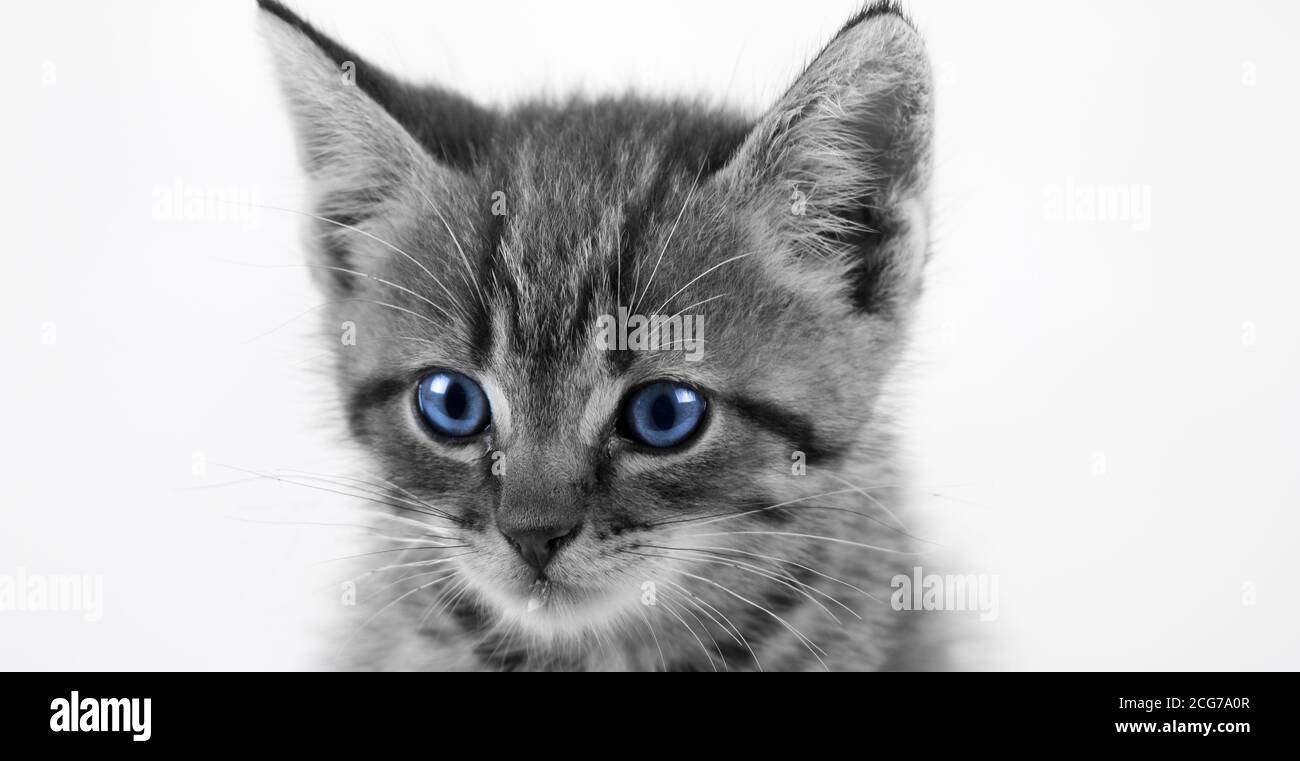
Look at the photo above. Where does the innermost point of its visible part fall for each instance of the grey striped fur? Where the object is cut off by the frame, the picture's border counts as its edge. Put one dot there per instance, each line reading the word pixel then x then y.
pixel 799 236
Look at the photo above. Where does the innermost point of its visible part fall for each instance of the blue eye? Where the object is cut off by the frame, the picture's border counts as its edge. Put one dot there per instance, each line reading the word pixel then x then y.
pixel 453 404
pixel 663 414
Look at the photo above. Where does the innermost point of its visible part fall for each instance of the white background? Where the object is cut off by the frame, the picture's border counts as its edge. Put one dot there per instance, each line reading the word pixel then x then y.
pixel 1107 404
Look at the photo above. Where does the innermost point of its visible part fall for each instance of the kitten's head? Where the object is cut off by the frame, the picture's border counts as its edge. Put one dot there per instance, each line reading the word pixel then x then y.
pixel 484 255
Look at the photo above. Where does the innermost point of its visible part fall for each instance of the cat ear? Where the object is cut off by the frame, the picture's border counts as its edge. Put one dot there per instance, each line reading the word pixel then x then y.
pixel 837 172
pixel 370 143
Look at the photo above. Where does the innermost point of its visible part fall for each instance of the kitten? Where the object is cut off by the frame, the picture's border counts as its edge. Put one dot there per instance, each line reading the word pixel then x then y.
pixel 575 494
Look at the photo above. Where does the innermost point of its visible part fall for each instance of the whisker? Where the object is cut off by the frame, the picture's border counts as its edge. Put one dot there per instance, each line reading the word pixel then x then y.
pixel 396 505
pixel 371 236
pixel 699 303
pixel 388 550
pixel 667 242
pixel 412 564
pixel 346 271
pixel 402 490
pixel 323 524
pixel 704 520
pixel 418 564
pixel 320 524
pixel 464 259
pixel 502 638
pixel 720 552
pixel 777 559
pixel 221 485
pixel 875 501
pixel 662 660
pixel 748 568
pixel 353 495
pixel 730 627
pixel 848 511
pixel 376 614
pixel 708 633
pixel 378 490
pixel 657 336
pixel 697 277
pixel 705 650
pixel 807 643
pixel 455 590
pixel 405 338
pixel 836 540
pixel 346 300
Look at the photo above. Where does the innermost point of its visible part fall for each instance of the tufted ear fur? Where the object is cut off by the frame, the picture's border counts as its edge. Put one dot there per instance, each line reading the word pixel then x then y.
pixel 373 147
pixel 837 172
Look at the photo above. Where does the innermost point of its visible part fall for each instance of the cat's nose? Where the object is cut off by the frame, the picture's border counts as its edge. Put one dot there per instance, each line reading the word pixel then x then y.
pixel 538 545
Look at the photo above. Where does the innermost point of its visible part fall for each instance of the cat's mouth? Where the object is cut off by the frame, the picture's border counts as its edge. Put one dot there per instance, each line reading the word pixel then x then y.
pixel 546 596
pixel 551 603
pixel 575 592
pixel 538 594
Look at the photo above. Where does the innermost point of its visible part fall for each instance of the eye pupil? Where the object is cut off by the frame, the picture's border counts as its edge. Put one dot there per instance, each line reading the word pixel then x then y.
pixel 452 404
pixel 455 401
pixel 663 414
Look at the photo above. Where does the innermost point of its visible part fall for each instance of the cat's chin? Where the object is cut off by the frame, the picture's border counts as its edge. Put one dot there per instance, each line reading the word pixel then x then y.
pixel 556 609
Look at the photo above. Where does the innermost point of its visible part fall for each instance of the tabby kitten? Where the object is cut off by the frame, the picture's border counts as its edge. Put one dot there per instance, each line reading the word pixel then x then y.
pixel 570 493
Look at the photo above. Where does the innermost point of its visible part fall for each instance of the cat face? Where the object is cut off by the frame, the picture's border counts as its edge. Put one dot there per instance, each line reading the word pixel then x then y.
pixel 601 344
